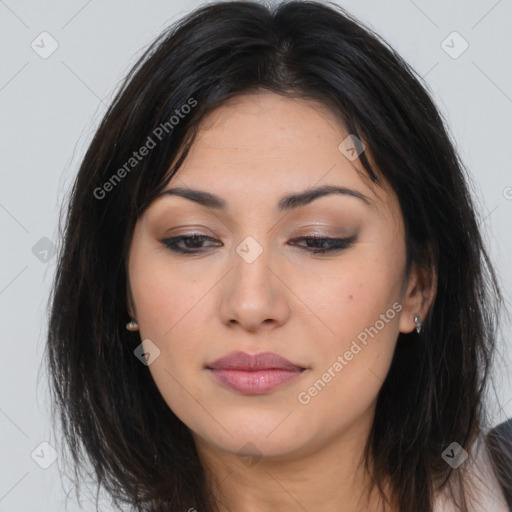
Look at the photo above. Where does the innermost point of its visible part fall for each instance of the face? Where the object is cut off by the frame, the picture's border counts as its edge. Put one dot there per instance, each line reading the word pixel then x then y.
pixel 253 281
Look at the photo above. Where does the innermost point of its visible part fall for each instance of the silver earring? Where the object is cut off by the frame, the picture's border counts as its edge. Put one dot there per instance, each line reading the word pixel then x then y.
pixel 419 325
pixel 132 325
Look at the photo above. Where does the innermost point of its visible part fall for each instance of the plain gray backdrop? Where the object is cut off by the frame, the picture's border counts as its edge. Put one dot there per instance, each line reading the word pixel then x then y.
pixel 60 63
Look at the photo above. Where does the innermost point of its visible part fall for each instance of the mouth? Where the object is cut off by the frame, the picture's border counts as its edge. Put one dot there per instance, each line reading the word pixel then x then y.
pixel 254 374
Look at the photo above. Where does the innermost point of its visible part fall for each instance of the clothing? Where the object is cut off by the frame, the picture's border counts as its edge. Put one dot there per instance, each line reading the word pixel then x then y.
pixel 489 493
pixel 500 444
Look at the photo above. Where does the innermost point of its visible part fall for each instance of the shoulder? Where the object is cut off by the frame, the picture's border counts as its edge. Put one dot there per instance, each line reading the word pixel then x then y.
pixel 487 474
pixel 499 442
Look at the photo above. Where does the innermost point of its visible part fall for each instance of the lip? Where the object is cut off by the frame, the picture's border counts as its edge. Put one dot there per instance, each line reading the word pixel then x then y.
pixel 254 374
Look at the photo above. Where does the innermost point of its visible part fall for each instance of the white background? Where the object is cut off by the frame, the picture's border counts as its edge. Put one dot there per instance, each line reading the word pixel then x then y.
pixel 51 106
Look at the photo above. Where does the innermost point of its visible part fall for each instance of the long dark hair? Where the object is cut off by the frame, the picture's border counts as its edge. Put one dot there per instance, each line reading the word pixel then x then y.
pixel 111 412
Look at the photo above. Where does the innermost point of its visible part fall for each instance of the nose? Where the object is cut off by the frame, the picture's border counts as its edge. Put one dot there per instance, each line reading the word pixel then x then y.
pixel 254 295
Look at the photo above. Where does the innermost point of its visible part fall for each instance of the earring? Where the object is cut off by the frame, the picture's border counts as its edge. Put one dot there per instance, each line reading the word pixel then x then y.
pixel 132 325
pixel 419 325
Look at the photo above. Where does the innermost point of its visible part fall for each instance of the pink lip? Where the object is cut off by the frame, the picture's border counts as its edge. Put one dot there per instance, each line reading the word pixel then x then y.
pixel 254 374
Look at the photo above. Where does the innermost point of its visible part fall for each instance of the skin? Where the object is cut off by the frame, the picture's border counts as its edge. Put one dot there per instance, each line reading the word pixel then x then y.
pixel 305 307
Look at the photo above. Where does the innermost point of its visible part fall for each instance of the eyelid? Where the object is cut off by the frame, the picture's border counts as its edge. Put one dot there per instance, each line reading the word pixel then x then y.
pixel 335 244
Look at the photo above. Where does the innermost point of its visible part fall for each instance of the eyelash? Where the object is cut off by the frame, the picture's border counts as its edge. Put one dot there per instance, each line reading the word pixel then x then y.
pixel 339 244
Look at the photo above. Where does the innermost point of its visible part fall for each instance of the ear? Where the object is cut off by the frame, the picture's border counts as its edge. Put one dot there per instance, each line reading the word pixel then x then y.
pixel 420 291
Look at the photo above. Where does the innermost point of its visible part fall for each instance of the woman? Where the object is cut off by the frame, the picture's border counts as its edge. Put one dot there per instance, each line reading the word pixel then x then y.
pixel 273 293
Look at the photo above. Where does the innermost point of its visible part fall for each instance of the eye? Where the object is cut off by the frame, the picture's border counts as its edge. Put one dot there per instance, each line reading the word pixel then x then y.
pixel 324 244
pixel 193 243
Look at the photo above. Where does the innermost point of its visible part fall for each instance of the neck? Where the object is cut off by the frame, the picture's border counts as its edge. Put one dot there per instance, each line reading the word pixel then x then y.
pixel 330 477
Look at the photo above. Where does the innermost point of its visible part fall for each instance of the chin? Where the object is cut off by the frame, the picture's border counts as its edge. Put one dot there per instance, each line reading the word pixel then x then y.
pixel 257 434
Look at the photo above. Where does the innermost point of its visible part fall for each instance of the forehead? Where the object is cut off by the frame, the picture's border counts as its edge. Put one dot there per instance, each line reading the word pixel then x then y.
pixel 258 147
pixel 265 127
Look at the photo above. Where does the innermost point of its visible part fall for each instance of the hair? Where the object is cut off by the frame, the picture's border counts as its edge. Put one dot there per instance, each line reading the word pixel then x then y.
pixel 111 413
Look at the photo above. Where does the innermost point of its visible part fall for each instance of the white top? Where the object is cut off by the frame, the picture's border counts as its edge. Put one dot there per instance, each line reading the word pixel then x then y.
pixel 482 484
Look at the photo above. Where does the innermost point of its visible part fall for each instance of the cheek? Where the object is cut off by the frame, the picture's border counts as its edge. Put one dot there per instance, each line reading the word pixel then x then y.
pixel 173 305
pixel 360 308
pixel 169 308
pixel 353 297
pixel 164 296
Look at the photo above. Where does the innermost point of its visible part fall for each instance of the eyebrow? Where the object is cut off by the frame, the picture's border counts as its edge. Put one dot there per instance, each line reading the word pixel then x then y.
pixel 286 203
